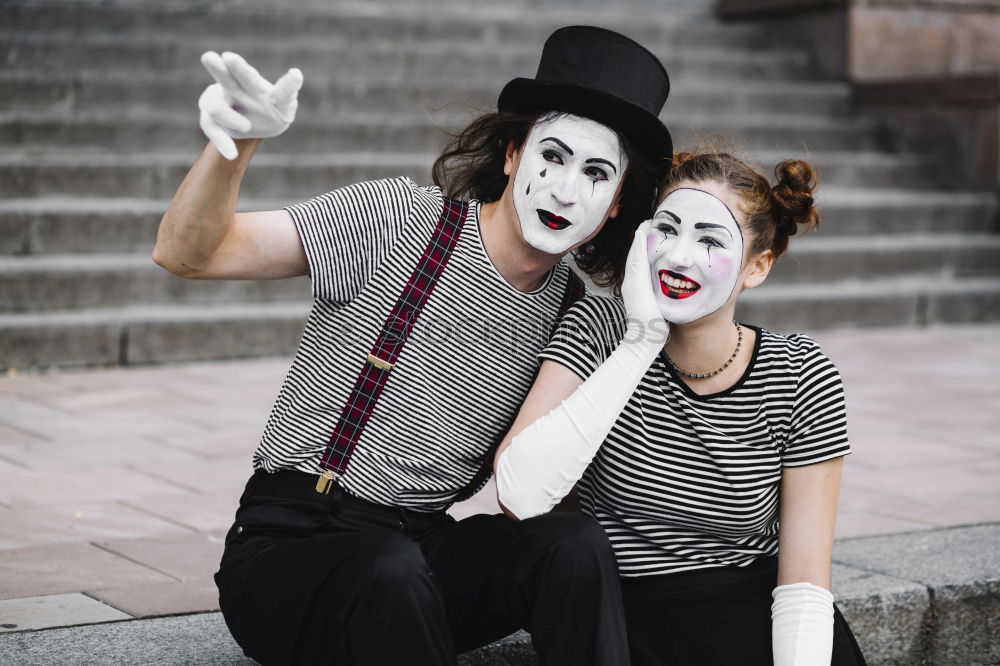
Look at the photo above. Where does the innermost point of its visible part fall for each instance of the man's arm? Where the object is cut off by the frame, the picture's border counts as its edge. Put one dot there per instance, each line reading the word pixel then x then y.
pixel 201 236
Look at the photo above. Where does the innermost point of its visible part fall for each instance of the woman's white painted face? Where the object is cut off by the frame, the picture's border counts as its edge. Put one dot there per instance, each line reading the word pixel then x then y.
pixel 566 181
pixel 695 251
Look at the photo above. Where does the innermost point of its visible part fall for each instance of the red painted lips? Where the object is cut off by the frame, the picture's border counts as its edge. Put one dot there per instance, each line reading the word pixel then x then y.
pixel 552 221
pixel 677 292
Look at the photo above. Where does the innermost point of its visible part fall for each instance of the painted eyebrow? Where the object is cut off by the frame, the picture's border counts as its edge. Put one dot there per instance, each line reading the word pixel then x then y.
pixel 601 160
pixel 709 225
pixel 667 212
pixel 561 144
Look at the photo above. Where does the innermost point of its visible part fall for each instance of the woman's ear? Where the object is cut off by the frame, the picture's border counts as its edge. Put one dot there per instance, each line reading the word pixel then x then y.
pixel 510 158
pixel 760 266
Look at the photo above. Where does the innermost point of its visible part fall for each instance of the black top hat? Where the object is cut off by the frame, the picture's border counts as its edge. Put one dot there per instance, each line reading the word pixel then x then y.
pixel 599 74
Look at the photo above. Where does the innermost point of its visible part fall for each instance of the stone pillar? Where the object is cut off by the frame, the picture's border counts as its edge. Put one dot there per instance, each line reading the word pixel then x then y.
pixel 928 67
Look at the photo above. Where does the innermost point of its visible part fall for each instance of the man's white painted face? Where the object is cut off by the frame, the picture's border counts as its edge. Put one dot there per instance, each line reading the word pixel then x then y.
pixel 695 251
pixel 566 181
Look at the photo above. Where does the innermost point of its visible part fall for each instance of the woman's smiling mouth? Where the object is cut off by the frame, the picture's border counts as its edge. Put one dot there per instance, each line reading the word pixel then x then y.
pixel 675 285
pixel 552 221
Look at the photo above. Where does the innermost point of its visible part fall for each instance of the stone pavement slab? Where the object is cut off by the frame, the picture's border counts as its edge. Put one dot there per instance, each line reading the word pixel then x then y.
pixel 78 522
pixel 202 511
pixel 157 599
pixel 34 489
pixel 53 610
pixel 68 567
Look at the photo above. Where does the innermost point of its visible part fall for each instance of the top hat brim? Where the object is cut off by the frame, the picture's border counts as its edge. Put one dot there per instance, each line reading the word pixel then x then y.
pixel 646 132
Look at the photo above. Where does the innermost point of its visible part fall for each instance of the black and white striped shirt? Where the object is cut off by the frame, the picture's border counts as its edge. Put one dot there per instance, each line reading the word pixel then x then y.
pixel 462 375
pixel 684 481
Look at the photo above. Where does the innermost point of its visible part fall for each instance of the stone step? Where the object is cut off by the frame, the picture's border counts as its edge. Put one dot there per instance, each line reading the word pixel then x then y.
pixel 817 258
pixel 404 132
pixel 113 93
pixel 61 225
pixel 906 301
pixel 165 47
pixel 80 281
pixel 172 333
pixel 295 177
pixel 491 23
pixel 390 62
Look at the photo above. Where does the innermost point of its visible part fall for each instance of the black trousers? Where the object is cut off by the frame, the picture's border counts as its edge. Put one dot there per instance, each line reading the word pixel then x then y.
pixel 330 579
pixel 713 617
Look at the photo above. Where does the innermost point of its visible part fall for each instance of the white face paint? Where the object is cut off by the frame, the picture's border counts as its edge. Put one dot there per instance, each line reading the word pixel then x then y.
pixel 566 181
pixel 695 251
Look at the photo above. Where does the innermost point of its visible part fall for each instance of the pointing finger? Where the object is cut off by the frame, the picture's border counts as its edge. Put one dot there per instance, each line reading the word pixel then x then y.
pixel 217 68
pixel 248 77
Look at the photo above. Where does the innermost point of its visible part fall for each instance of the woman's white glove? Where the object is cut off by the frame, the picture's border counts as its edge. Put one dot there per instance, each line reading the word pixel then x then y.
pixel 242 104
pixel 645 322
pixel 545 460
pixel 802 625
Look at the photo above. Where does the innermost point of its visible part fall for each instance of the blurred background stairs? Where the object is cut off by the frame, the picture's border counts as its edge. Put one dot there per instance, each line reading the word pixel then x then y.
pixel 98 125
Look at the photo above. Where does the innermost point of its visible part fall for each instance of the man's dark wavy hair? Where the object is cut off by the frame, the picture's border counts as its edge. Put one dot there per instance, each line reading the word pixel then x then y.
pixel 471 167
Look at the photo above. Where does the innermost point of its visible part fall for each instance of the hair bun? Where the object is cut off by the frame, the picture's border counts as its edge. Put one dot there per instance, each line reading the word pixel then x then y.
pixel 682 158
pixel 792 197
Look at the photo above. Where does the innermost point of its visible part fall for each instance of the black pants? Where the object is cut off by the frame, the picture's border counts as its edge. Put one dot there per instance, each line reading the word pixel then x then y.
pixel 329 579
pixel 713 617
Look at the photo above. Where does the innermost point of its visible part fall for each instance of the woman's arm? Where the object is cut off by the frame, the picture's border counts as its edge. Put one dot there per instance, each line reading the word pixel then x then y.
pixel 802 612
pixel 554 384
pixel 555 439
pixel 809 497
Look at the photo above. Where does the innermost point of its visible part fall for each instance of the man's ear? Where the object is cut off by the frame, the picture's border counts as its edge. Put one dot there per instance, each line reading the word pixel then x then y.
pixel 615 205
pixel 613 213
pixel 760 266
pixel 510 158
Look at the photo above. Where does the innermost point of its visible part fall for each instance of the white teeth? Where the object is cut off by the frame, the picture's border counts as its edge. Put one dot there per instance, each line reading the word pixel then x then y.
pixel 675 283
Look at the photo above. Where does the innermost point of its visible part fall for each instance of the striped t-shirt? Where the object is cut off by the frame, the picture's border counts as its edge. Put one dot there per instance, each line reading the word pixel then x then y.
pixel 684 481
pixel 462 374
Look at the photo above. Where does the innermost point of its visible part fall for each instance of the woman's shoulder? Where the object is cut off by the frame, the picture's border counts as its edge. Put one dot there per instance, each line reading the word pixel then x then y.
pixel 797 351
pixel 597 308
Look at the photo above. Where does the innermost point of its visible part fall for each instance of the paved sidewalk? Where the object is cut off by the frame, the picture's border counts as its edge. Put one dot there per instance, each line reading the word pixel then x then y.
pixel 116 486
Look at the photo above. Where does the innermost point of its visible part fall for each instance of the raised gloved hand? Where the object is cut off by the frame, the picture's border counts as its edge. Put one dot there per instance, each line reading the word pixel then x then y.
pixel 645 322
pixel 545 460
pixel 242 104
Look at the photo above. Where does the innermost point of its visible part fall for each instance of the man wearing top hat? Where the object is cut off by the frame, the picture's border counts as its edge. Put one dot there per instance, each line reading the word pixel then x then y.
pixel 429 307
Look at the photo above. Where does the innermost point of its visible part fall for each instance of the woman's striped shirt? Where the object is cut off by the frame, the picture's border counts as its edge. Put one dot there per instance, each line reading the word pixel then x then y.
pixel 461 376
pixel 684 481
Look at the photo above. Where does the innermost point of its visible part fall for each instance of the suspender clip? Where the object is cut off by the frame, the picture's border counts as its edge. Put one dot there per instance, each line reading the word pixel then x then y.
pixel 325 482
pixel 379 363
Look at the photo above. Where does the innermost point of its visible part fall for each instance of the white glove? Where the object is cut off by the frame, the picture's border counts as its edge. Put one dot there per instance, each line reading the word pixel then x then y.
pixel 242 104
pixel 802 625
pixel 545 460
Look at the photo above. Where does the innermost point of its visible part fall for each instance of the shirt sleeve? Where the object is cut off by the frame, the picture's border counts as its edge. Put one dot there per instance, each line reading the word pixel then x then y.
pixel 586 335
pixel 347 233
pixel 819 415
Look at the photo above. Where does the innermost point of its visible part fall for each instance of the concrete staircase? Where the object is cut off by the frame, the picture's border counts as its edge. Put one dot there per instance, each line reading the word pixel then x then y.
pixel 98 125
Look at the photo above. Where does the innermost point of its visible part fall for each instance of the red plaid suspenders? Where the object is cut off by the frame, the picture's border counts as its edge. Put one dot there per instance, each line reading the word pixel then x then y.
pixel 389 343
